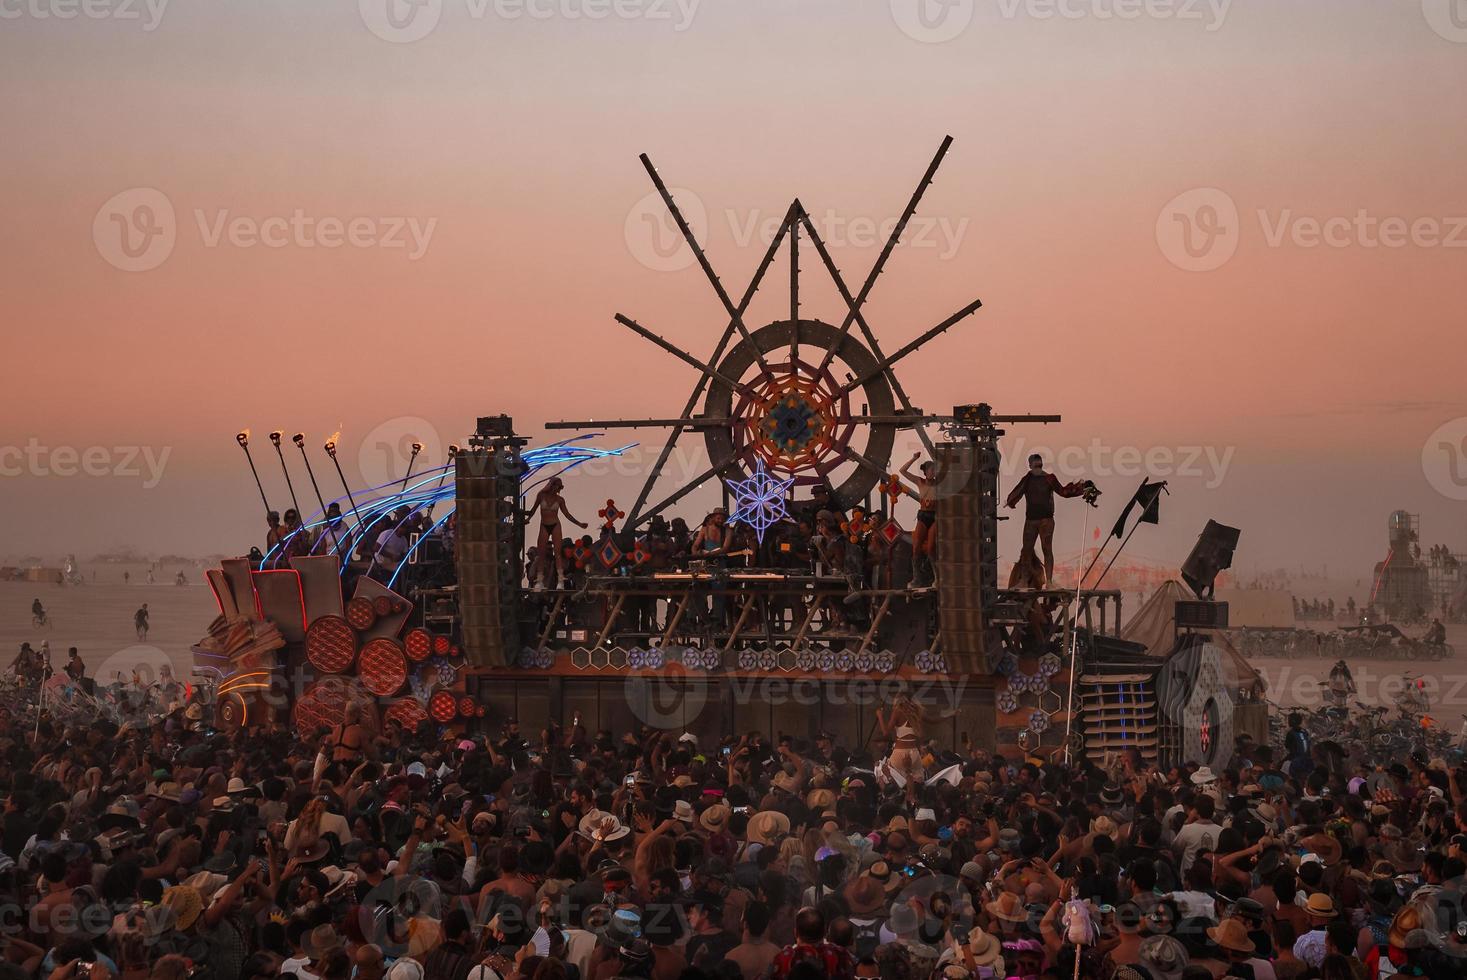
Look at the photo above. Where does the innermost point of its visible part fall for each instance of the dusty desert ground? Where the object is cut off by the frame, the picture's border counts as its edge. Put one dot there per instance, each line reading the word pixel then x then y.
pixel 96 617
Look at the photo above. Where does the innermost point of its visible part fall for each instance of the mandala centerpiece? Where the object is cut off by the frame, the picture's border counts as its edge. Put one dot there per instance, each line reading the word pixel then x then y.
pixel 759 501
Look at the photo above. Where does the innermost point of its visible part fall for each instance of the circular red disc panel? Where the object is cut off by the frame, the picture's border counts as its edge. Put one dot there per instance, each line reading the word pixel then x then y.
pixel 441 645
pixel 443 707
pixel 384 606
pixel 466 706
pixel 360 613
pixel 331 645
pixel 323 705
pixel 418 644
pixel 382 667
pixel 409 713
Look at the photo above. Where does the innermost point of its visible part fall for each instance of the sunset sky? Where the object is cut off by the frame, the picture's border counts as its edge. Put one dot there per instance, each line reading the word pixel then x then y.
pixel 453 221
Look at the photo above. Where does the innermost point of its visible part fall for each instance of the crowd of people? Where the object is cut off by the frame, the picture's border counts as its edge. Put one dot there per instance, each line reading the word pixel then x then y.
pixel 167 850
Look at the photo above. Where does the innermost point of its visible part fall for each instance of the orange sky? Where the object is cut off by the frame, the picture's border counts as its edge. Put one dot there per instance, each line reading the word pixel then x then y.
pixel 1318 372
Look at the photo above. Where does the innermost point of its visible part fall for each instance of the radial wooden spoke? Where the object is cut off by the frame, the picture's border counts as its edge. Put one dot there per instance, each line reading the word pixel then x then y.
pixel 855 313
pixel 887 363
pixel 735 314
pixel 636 518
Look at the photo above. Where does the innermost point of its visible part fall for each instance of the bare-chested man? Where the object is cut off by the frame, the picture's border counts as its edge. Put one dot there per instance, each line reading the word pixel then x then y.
pixel 551 506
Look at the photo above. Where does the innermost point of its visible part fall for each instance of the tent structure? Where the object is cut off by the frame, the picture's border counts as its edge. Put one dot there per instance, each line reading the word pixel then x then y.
pixel 1154 625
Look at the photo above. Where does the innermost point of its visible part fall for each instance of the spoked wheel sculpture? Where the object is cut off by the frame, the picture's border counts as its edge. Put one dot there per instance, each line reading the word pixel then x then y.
pixel 802 397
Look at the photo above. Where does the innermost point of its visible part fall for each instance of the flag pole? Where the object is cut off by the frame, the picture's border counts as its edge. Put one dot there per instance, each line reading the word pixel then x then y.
pixel 1074 637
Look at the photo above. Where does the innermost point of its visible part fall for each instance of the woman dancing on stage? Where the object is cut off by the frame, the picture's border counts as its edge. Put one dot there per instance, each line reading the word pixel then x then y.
pixel 551 505
pixel 902 724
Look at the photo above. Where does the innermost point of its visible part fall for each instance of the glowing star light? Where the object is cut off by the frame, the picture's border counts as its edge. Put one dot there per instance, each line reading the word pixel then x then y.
pixel 759 501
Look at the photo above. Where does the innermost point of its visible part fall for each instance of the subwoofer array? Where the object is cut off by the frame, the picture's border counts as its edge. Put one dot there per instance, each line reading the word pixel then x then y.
pixel 489 553
pixel 967 548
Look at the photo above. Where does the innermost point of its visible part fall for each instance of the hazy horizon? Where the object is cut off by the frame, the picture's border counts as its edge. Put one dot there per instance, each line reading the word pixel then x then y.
pixel 1235 233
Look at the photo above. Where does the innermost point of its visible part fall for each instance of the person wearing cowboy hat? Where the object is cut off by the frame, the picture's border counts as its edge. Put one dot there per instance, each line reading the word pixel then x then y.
pixel 1310 947
pixel 1231 937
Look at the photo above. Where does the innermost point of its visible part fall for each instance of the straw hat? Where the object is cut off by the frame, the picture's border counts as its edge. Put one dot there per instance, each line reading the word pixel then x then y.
pixel 1320 906
pixel 1008 907
pixel 1407 921
pixel 682 812
pixel 1103 826
pixel 985 948
pixel 186 904
pixel 766 825
pixel 1231 935
pixel 820 800
pixel 320 941
pixel 1203 776
pixel 715 818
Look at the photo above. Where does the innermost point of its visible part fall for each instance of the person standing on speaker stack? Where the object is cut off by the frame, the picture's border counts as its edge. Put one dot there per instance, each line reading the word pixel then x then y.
pixel 551 506
pixel 1038 490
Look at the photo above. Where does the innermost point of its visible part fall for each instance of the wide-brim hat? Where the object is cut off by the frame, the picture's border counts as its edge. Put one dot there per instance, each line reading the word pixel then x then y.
pixel 766 825
pixel 320 941
pixel 594 821
pixel 1407 921
pixel 1321 906
pixel 312 853
pixel 1203 776
pixel 985 948
pixel 186 904
pixel 715 818
pixel 1231 934
pixel 1008 907
pixel 866 896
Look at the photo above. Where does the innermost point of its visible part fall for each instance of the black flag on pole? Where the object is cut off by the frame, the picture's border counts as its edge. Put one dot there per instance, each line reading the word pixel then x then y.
pixel 1148 497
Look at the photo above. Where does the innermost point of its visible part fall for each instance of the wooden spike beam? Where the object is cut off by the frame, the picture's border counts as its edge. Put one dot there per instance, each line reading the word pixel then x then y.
pixel 888 362
pixel 891 242
pixel 854 304
pixel 735 314
pixel 682 355
pixel 636 518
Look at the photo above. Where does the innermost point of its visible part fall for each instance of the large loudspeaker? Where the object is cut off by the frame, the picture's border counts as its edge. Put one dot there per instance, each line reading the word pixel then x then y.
pixel 967 548
pixel 489 553
pixel 1212 553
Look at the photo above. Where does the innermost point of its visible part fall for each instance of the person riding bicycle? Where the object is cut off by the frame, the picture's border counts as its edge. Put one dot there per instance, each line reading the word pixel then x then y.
pixel 1436 633
pixel 38 611
pixel 1412 700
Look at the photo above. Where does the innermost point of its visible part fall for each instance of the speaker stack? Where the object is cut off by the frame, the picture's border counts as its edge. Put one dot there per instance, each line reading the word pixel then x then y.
pixel 967 548
pixel 489 552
